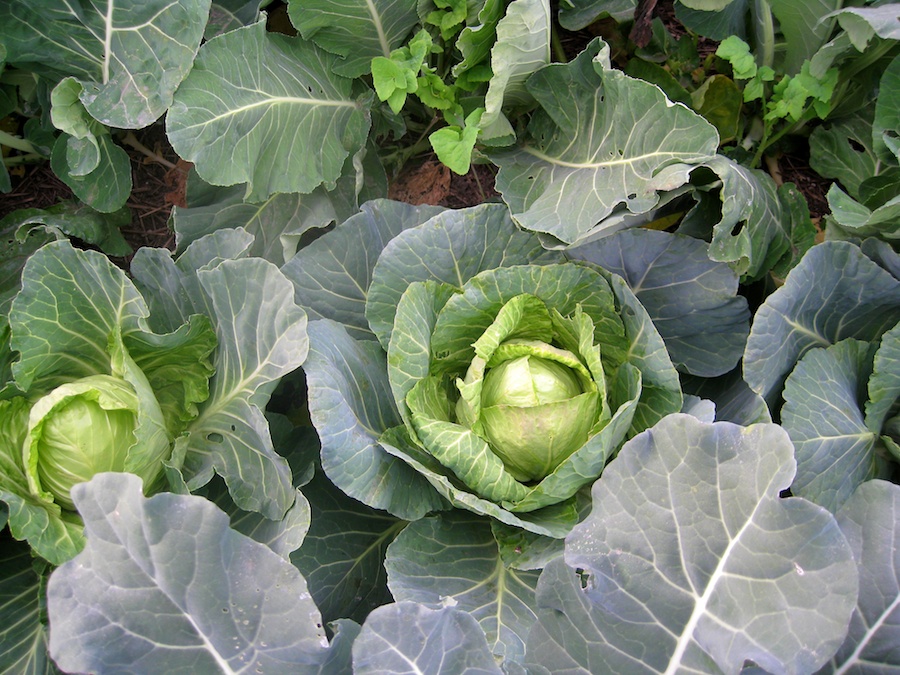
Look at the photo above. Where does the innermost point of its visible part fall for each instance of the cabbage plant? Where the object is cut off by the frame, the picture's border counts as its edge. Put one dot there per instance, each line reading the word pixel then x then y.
pixel 500 383
pixel 844 434
pixel 421 350
pixel 93 390
pixel 95 382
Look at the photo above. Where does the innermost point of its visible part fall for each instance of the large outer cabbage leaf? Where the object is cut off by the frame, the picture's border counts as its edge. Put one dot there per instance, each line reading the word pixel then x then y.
pixel 129 56
pixel 279 222
pixel 869 521
pixel 71 302
pixel 886 124
pixel 522 48
pixel 716 23
pixel 843 150
pixel 608 152
pixel 884 384
pixel 859 221
pixel 107 186
pixel 410 637
pixel 356 30
pixel 267 110
pixel 350 405
pixel 834 293
pixel 226 15
pixel 262 337
pixel 453 559
pixel 692 562
pixel 804 28
pixel 734 400
pixel 342 556
pixel 66 218
pixel 276 223
pixel 576 14
pixel 164 584
pixel 874 208
pixel 23 638
pixel 862 23
pixel 332 275
pixel 299 446
pixel 692 300
pixel 603 141
pixel 760 224
pixel 835 448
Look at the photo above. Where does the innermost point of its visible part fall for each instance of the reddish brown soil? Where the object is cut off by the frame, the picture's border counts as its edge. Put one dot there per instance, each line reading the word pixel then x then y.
pixel 156 187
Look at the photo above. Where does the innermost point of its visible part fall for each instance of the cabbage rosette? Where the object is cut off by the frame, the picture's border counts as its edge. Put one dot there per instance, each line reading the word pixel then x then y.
pixel 504 376
pixel 529 392
pixel 93 390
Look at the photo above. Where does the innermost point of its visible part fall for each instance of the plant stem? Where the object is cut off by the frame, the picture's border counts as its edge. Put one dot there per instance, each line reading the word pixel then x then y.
pixel 765 33
pixel 16 142
pixel 774 170
pixel 130 139
pixel 754 134
pixel 422 144
pixel 559 53
pixel 478 183
pixel 23 159
pixel 769 140
pixel 868 57
pixel 844 87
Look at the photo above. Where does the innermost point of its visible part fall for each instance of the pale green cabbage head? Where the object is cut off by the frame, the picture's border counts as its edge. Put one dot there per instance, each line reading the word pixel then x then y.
pixel 534 402
pixel 537 410
pixel 83 428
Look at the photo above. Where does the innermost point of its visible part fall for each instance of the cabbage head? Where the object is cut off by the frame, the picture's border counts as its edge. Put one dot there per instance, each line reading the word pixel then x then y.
pixel 87 427
pixel 535 404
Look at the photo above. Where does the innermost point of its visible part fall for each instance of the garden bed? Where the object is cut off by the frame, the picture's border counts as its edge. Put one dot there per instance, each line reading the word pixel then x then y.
pixel 391 336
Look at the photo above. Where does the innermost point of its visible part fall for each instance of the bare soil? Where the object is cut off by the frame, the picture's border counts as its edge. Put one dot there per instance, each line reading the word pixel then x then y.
pixel 156 188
